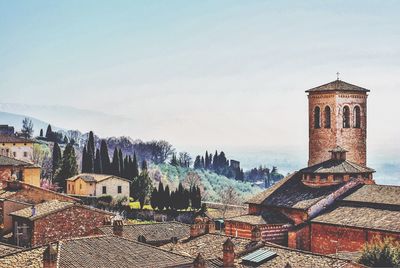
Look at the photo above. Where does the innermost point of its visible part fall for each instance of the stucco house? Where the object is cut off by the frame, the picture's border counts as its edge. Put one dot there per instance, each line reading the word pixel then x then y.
pixel 88 184
pixel 16 147
pixel 14 169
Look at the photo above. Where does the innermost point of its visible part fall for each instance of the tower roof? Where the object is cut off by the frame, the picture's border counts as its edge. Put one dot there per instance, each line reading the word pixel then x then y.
pixel 338 85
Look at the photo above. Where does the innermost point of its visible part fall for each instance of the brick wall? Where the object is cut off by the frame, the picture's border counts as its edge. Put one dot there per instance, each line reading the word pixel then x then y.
pixel 71 222
pixel 300 238
pixel 328 239
pixel 322 139
pixel 254 209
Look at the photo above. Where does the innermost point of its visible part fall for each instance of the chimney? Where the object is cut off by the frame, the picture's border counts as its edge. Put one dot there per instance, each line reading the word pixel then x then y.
pixel 228 253
pixel 107 220
pixel 50 256
pixel 33 211
pixel 118 227
pixel 256 234
pixel 199 262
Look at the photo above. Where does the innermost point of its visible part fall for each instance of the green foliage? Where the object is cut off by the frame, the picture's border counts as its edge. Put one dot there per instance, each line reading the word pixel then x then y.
pixel 105 199
pixel 68 167
pixel 142 187
pixel 56 158
pixel 105 158
pixel 381 253
pixel 27 128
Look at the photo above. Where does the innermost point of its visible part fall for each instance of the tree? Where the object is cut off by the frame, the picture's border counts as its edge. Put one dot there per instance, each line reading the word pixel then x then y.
pixel 184 159
pixel 84 160
pixel 144 165
pixel 381 253
pixel 192 179
pixel 65 140
pixel 68 167
pixel 142 187
pixel 121 162
pixel 41 156
pixel 197 162
pixel 56 158
pixel 49 133
pixel 167 197
pixel 161 196
pixel 105 158
pixel 27 128
pixel 154 199
pixel 228 196
pixel 41 132
pixel 135 166
pixel 97 163
pixel 174 161
pixel 115 163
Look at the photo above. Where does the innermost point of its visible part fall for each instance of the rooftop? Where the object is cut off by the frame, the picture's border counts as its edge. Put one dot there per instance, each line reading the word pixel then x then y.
pixel 362 217
pixel 13 139
pixel 92 177
pixel 338 85
pixel 270 217
pixel 336 166
pixel 6 249
pixel 99 251
pixel 162 231
pixel 8 161
pixel 376 194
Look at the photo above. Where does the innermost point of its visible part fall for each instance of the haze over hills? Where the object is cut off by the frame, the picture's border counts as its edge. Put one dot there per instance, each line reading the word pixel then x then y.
pixel 287 159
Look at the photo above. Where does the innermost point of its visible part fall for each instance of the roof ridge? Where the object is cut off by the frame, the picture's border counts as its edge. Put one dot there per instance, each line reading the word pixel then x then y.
pixel 18 160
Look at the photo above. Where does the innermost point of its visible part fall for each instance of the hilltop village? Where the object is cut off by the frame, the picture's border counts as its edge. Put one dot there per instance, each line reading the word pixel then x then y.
pixel 319 216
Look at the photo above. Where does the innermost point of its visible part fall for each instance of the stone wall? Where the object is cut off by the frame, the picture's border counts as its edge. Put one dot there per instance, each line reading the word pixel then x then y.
pixel 322 139
pixel 71 222
pixel 329 239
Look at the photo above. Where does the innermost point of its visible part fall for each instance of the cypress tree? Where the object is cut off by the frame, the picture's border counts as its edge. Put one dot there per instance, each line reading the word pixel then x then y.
pixel 68 167
pixel 135 167
pixel 49 133
pixel 105 158
pixel 65 139
pixel 167 197
pixel 115 163
pixel 154 198
pixel 121 162
pixel 144 166
pixel 125 168
pixel 216 163
pixel 41 132
pixel 56 158
pixel 207 164
pixel 161 195
pixel 202 164
pixel 84 160
pixel 97 163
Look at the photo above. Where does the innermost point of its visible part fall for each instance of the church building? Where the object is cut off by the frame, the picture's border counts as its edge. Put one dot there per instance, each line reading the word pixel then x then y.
pixel 332 205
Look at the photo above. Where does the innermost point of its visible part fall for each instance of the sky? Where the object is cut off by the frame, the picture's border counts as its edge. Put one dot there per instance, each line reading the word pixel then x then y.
pixel 200 74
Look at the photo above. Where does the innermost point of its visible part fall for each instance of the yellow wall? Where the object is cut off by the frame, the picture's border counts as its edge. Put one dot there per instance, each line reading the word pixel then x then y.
pixel 31 175
pixel 80 187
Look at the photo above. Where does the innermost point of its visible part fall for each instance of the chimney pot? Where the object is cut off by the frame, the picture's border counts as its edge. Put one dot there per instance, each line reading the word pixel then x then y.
pixel 229 253
pixel 118 227
pixel 50 256
pixel 33 210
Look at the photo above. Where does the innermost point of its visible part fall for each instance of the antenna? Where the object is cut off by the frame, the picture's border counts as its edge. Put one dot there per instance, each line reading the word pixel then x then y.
pixel 337 76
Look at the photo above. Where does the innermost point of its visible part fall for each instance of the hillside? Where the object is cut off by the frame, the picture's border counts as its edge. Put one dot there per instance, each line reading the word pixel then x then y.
pixel 211 182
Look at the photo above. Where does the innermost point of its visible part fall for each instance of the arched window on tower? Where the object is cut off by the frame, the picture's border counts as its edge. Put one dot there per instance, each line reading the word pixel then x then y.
pixel 317 117
pixel 357 117
pixel 327 117
pixel 346 117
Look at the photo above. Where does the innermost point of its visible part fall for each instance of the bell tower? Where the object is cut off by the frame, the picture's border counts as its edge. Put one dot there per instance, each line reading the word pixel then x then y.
pixel 337 117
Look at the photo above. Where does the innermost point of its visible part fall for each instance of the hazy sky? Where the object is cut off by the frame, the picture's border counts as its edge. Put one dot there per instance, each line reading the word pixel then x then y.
pixel 201 73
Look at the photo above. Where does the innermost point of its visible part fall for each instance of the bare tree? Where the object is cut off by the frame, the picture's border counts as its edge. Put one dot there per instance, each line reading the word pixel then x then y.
pixel 192 179
pixel 184 159
pixel 228 196
pixel 27 128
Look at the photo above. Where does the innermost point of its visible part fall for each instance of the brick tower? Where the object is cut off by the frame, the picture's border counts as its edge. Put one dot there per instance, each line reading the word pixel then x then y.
pixel 337 117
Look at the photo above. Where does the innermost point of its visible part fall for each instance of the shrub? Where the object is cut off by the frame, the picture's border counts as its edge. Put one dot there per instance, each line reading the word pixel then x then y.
pixel 381 253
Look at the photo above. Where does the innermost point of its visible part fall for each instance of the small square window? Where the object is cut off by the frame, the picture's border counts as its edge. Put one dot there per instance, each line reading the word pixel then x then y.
pixel 119 189
pixel 25 154
pixel 104 189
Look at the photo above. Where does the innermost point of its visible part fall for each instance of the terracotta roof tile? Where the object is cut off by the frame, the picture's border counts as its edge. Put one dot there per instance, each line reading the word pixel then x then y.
pixel 337 167
pixel 268 217
pixel 362 217
pixel 377 194
pixel 8 161
pixel 162 231
pixel 6 249
pixel 92 177
pixel 13 139
pixel 338 85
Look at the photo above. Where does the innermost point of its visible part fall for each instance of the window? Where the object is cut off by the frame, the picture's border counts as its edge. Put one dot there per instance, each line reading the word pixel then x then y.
pixel 357 117
pixel 104 189
pixel 14 154
pixel 80 186
pixel 327 117
pixel 25 154
pixel 119 189
pixel 317 117
pixel 346 117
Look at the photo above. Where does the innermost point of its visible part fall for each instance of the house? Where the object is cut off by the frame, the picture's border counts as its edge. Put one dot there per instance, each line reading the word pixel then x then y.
pixel 96 251
pixel 16 147
pixel 15 195
pixel 333 204
pixel 88 184
pixel 154 234
pixel 14 169
pixel 53 220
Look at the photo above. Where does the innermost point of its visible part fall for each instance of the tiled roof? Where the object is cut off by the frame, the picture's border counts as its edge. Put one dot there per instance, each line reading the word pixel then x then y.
pixel 210 246
pixel 91 177
pixel 6 249
pixel 42 209
pixel 333 166
pixel 294 194
pixel 99 251
pixel 162 231
pixel 338 85
pixel 268 217
pixel 377 194
pixel 260 197
pixel 216 213
pixel 8 161
pixel 13 139
pixel 362 217
pixel 112 251
pixel 32 258
pixel 49 207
